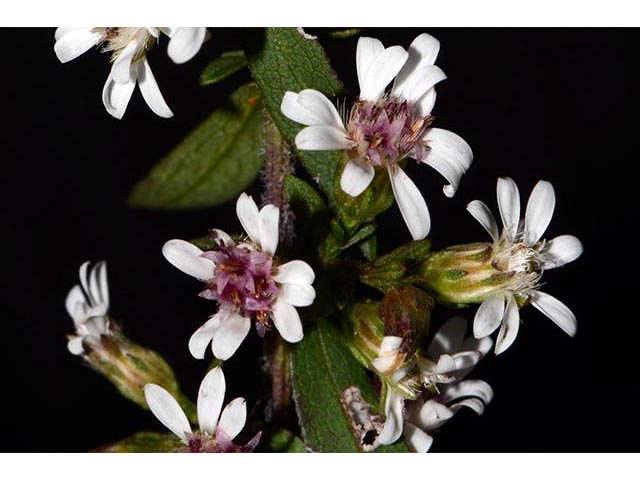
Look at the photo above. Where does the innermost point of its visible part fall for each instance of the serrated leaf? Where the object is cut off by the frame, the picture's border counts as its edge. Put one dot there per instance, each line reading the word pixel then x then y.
pixel 323 368
pixel 281 60
pixel 143 442
pixel 222 67
pixel 213 164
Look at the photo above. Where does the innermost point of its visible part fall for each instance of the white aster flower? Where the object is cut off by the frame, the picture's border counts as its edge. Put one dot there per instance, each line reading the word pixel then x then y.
pixel 244 280
pixel 522 254
pixel 450 358
pixel 128 47
pixel 385 128
pixel 217 431
pixel 88 306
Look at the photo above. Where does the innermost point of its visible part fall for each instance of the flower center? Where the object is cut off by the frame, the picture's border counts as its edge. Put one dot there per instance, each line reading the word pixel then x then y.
pixel 387 131
pixel 521 260
pixel 242 280
pixel 116 39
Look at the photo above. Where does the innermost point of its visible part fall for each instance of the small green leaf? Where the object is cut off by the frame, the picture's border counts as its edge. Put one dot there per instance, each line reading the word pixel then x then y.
pixel 281 60
pixel 323 368
pixel 283 441
pixel 362 234
pixel 222 67
pixel 213 164
pixel 344 33
pixel 369 248
pixel 143 442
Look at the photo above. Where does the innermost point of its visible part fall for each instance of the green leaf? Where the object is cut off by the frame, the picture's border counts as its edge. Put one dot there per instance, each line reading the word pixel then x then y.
pixel 222 67
pixel 213 164
pixel 311 216
pixel 143 442
pixel 281 60
pixel 362 234
pixel 283 441
pixel 344 33
pixel 323 368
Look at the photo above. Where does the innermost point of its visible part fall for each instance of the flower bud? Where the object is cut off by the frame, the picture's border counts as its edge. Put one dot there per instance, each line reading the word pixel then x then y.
pixel 406 312
pixel 463 274
pixel 364 331
pixel 127 365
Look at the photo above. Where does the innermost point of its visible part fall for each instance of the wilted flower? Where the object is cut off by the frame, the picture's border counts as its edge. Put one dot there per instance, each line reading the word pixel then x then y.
pixel 523 256
pixel 246 281
pixel 128 47
pixel 217 431
pixel 385 128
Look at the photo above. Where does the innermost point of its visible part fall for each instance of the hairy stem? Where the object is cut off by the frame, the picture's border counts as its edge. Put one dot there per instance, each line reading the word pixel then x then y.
pixel 277 366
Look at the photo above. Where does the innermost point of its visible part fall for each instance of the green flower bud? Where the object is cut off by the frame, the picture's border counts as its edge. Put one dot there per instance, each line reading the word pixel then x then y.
pixel 364 331
pixel 463 274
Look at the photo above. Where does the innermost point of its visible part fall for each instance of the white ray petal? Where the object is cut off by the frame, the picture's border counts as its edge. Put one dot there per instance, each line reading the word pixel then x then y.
pixel 479 210
pixel 268 228
pixel 510 326
pixel 248 214
pixel 188 258
pixel 229 335
pixel 311 107
pixel 420 82
pixel 202 336
pixel 474 404
pixel 356 177
pixel 540 206
pixel 116 97
pixel 433 415
pixel 151 91
pixel 210 398
pixel 367 51
pixel 122 66
pixel 448 338
pixel 557 311
pixel 295 272
pixel 74 345
pixel 393 424
pixel 449 154
pixel 425 105
pixel 185 43
pixel 470 388
pixel 489 315
pixel 74 43
pixel 167 410
pixel 418 440
pixel 322 137
pixel 287 321
pixel 561 250
pixel 74 304
pixel 223 236
pixel 509 205
pixel 233 418
pixel 411 203
pixel 422 51
pixel 382 70
pixel 297 295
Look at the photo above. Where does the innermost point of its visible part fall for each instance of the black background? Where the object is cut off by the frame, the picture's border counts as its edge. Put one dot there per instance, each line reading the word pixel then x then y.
pixel 557 104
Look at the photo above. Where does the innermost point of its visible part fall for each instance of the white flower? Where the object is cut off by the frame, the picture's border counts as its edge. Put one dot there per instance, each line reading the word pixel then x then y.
pixel 520 253
pixel 88 306
pixel 217 431
pixel 242 278
pixel 384 129
pixel 451 358
pixel 129 46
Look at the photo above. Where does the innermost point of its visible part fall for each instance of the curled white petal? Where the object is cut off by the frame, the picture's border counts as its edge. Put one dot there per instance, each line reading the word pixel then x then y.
pixel 122 70
pixel 393 424
pixel 116 96
pixel 510 325
pixel 367 51
pixel 297 295
pixel 450 155
pixel 310 107
pixel 420 82
pixel 248 214
pixel 489 315
pixel 417 439
pixel 433 415
pixel 423 51
pixel 448 338
pixel 411 203
pixel 151 91
pixel 202 337
pixel 188 258
pixel 185 43
pixel 167 410
pixel 210 398
pixel 356 177
pixel 74 42
pixel 557 311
